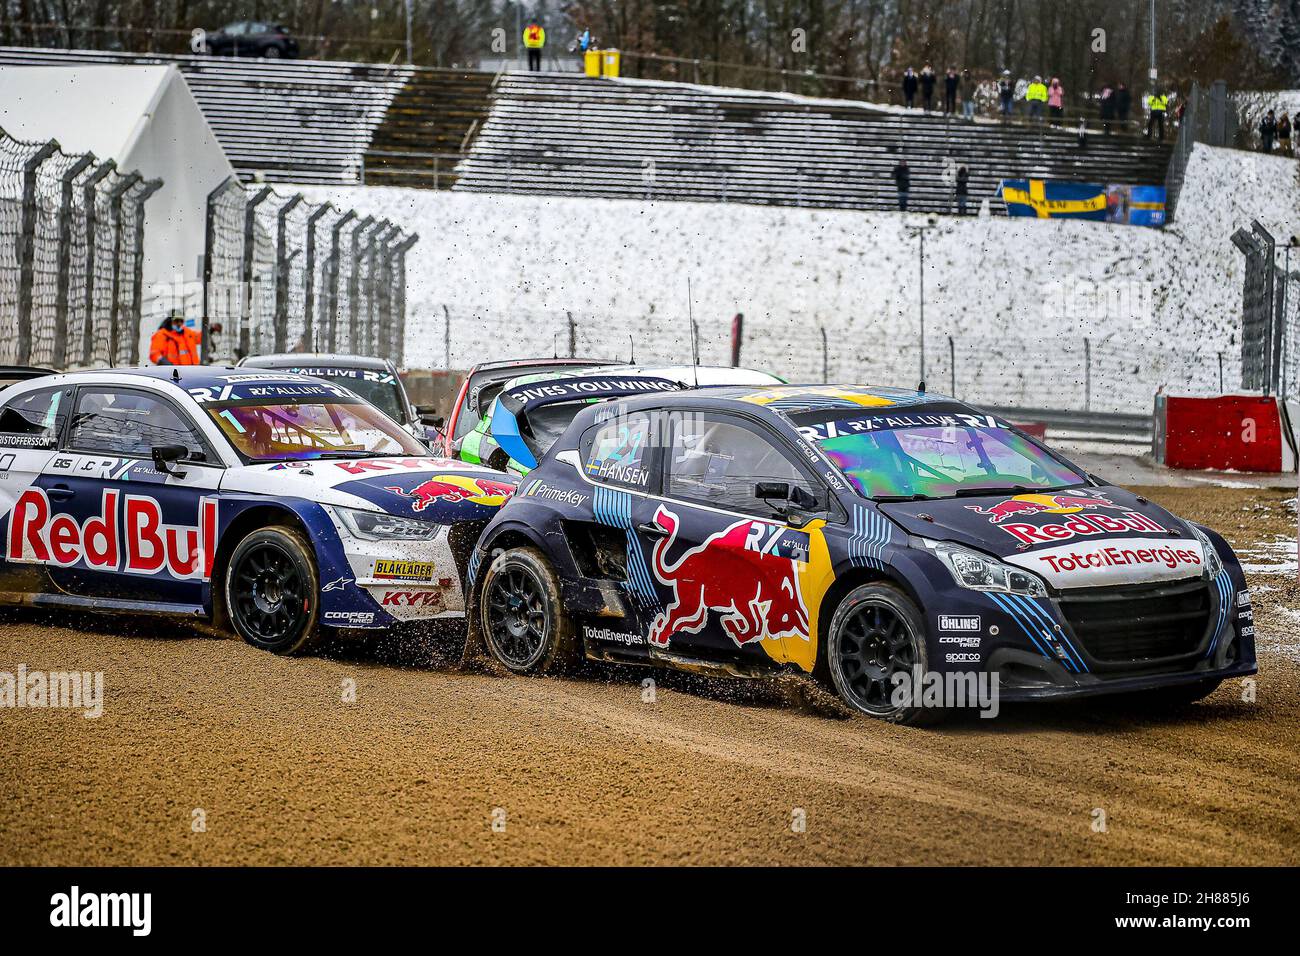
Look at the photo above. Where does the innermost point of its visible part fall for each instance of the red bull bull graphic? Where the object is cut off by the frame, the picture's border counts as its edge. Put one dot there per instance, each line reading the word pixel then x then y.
pixel 481 491
pixel 1063 503
pixel 746 573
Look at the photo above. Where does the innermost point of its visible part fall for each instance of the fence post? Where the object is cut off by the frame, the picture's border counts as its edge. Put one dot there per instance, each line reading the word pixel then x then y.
pixel 59 359
pixel 399 302
pixel 137 298
pixel 1087 374
pixel 246 272
pixel 116 196
pixel 309 266
pixel 209 244
pixel 90 197
pixel 282 275
pixel 27 249
pixel 332 305
pixel 952 366
pixel 354 284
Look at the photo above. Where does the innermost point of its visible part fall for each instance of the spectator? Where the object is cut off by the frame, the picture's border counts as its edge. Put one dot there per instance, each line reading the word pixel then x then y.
pixel 1036 96
pixel 928 79
pixel 1284 134
pixel 1123 103
pixel 909 87
pixel 1082 133
pixel 583 43
pixel 963 188
pixel 1006 92
pixel 1267 131
pixel 1157 106
pixel 1106 102
pixel 534 40
pixel 950 83
pixel 968 99
pixel 173 343
pixel 903 180
pixel 1056 101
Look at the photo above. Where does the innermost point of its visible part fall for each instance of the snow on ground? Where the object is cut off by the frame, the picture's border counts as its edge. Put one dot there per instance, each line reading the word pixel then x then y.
pixel 1017 296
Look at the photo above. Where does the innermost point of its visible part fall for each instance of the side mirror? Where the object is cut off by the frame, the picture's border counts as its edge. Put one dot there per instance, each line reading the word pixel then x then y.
pixel 165 455
pixel 772 491
pixel 428 415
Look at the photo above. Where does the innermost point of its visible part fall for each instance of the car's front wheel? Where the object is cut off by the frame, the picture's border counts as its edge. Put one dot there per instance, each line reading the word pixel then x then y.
pixel 272 594
pixel 875 648
pixel 524 623
pixel 272 52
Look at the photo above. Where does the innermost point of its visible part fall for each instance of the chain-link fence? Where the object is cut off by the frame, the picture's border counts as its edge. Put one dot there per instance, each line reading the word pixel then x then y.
pixel 71 254
pixel 282 274
pixel 1103 374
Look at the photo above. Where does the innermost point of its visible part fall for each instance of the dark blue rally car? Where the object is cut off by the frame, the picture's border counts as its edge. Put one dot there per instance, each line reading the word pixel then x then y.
pixel 869 536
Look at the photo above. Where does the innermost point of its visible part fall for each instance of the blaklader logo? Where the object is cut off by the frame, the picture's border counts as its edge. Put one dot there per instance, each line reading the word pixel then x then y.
pixel 75 909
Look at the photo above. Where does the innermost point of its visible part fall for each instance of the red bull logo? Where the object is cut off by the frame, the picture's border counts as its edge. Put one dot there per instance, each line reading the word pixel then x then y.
pixel 736 573
pixel 1057 504
pixel 481 491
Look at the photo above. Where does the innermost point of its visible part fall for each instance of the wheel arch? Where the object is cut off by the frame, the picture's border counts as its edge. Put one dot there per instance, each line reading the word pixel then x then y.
pixel 248 520
pixel 850 577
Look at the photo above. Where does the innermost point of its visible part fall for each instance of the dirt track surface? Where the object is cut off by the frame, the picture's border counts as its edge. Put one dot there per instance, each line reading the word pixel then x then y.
pixel 586 771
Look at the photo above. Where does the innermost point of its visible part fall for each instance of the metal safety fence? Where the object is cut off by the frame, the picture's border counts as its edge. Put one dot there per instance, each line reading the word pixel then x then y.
pixel 71 254
pixel 1270 328
pixel 282 274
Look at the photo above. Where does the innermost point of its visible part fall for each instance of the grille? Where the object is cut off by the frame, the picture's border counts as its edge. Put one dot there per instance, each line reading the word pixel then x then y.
pixel 1140 623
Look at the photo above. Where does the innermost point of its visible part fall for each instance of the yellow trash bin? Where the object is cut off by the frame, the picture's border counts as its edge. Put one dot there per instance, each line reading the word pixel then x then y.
pixel 591 62
pixel 609 63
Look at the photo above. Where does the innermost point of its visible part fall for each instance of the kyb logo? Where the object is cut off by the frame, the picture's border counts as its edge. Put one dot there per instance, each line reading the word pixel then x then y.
pixel 76 909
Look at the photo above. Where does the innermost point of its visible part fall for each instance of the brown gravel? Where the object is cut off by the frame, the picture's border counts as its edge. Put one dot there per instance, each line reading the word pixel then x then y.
pixel 587 772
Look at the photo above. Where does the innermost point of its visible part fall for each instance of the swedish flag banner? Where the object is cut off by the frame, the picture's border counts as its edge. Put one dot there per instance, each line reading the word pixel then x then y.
pixel 1045 199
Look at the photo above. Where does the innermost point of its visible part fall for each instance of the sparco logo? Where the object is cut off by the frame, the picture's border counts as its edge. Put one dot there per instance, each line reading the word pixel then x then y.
pixel 958 622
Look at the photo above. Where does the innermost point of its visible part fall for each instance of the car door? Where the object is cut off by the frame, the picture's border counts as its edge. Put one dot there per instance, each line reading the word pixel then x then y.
pixel 30 425
pixel 146 535
pixel 731 561
pixel 619 459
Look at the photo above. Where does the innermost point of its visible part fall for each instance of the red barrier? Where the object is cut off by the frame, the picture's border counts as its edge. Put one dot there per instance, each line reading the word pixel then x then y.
pixel 1037 429
pixel 1226 433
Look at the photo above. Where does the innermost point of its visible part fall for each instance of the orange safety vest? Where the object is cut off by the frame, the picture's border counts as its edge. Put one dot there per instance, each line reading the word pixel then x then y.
pixel 174 348
pixel 534 37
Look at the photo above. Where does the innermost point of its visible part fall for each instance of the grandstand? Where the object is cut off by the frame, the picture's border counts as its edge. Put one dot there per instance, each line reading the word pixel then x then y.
pixel 333 123
pixel 576 136
pixel 282 121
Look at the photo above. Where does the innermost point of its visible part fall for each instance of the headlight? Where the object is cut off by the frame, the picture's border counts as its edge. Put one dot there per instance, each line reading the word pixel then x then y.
pixel 1213 563
pixel 377 526
pixel 980 572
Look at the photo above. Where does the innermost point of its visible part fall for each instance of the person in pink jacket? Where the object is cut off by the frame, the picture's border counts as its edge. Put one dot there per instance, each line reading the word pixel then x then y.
pixel 1056 100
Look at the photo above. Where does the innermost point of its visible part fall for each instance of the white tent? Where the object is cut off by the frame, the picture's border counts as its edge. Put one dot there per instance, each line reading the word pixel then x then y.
pixel 146 119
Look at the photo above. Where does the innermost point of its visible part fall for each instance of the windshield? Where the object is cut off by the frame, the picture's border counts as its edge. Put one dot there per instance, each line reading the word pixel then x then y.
pixel 334 429
pixel 944 461
pixel 547 423
pixel 379 388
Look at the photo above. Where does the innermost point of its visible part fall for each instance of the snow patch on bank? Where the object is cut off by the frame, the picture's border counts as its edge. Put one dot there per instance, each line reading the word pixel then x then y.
pixel 1016 296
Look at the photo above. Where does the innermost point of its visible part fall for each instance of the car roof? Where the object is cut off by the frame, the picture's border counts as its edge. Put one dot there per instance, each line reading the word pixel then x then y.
pixel 703 375
pixel 182 377
pixel 518 363
pixel 799 399
pixel 315 360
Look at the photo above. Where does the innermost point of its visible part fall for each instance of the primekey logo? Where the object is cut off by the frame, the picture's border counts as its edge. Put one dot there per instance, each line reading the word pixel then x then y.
pixel 75 909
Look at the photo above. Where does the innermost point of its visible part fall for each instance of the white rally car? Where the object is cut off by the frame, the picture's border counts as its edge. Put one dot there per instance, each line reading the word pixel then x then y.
pixel 274 502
